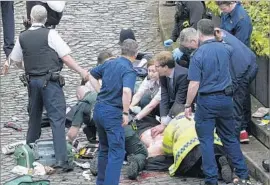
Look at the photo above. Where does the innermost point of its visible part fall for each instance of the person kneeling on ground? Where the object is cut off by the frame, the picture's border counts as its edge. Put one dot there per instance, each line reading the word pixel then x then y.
pixel 181 141
pixel 148 95
pixel 82 111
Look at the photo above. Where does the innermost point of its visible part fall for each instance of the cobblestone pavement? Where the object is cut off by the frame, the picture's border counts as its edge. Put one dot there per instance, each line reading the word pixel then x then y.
pixel 88 27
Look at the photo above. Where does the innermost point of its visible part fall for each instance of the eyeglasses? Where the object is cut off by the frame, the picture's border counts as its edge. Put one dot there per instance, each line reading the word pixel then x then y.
pixel 158 66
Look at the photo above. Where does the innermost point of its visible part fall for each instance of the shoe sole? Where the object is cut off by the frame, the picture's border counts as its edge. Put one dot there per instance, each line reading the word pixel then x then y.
pixel 244 141
pixel 132 169
pixel 226 171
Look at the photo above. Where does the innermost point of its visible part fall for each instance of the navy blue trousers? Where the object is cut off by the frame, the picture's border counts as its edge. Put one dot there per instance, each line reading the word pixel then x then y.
pixel 242 101
pixel 7 10
pixel 216 111
pixel 111 143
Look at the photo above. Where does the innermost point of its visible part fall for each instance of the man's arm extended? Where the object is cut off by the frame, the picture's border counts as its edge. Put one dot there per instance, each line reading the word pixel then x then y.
pixel 126 98
pixel 147 109
pixel 95 83
pixel 192 91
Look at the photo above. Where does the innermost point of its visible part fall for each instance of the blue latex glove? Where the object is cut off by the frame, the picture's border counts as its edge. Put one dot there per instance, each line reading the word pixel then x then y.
pixel 177 54
pixel 168 43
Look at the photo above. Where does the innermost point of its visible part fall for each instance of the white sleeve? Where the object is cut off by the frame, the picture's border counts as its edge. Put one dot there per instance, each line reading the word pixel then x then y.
pixel 57 6
pixel 158 95
pixel 57 44
pixel 16 54
pixel 144 86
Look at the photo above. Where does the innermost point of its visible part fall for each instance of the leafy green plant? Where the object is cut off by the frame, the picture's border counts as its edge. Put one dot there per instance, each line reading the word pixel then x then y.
pixel 260 16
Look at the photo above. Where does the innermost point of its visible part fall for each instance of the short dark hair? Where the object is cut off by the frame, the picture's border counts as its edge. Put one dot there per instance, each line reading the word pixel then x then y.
pixel 219 3
pixel 165 58
pixel 206 27
pixel 103 56
pixel 126 34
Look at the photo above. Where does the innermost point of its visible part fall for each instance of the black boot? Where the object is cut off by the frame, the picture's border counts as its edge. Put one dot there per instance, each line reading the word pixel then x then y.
pixel 226 171
pixel 65 166
pixel 132 168
pixel 94 165
pixel 90 133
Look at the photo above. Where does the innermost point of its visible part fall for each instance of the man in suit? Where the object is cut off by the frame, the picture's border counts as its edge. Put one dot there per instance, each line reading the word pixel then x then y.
pixel 174 84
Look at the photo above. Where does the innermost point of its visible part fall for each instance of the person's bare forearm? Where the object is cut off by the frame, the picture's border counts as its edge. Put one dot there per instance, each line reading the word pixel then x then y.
pixel 147 109
pixel 192 91
pixel 72 64
pixel 126 98
pixel 136 98
pixel 95 83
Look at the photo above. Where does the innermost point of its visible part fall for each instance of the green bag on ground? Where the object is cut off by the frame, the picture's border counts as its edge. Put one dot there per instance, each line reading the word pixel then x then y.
pixel 38 182
pixel 18 180
pixel 24 156
pixel 26 180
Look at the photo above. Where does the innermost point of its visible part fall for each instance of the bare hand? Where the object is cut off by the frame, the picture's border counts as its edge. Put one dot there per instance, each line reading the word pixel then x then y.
pixel 188 113
pixel 125 120
pixel 5 68
pixel 157 130
pixel 85 75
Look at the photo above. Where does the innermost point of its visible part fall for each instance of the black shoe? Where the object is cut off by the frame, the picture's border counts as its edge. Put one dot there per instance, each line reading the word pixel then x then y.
pixel 266 164
pixel 90 133
pixel 226 171
pixel 65 166
pixel 207 183
pixel 94 165
pixel 132 167
pixel 169 3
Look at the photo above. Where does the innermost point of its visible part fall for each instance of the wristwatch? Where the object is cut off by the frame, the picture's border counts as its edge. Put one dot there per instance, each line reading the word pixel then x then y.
pixel 125 113
pixel 187 106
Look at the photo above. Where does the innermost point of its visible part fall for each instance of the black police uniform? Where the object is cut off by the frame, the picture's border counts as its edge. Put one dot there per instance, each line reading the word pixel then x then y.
pixel 41 66
pixel 191 11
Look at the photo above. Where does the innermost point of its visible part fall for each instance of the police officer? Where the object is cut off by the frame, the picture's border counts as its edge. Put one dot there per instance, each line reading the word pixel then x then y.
pixel 187 14
pixel 40 49
pixel 111 110
pixel 209 75
pixel 235 20
pixel 243 70
pixel 54 12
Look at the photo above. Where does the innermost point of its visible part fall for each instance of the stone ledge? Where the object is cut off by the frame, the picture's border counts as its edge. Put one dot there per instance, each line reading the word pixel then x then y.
pixel 254 153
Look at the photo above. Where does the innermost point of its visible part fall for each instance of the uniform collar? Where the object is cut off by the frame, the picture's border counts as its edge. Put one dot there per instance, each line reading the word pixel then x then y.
pixel 234 11
pixel 208 41
pixel 36 26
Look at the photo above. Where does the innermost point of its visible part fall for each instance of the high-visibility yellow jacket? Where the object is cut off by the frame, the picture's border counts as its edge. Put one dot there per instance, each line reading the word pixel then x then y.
pixel 180 138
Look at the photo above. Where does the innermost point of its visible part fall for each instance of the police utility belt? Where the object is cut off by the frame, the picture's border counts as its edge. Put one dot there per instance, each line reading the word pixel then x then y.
pixel 50 76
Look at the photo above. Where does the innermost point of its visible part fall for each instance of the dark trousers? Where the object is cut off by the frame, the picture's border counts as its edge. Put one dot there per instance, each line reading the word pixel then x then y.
pixel 146 99
pixel 111 143
pixel 134 146
pixel 7 10
pixel 52 97
pixel 242 101
pixel 217 111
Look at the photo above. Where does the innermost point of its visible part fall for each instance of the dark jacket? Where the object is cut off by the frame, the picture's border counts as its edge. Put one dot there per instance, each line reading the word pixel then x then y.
pixel 191 11
pixel 180 84
pixel 53 17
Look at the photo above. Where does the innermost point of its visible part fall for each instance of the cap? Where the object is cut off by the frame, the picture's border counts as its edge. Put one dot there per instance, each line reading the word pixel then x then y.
pixel 126 34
